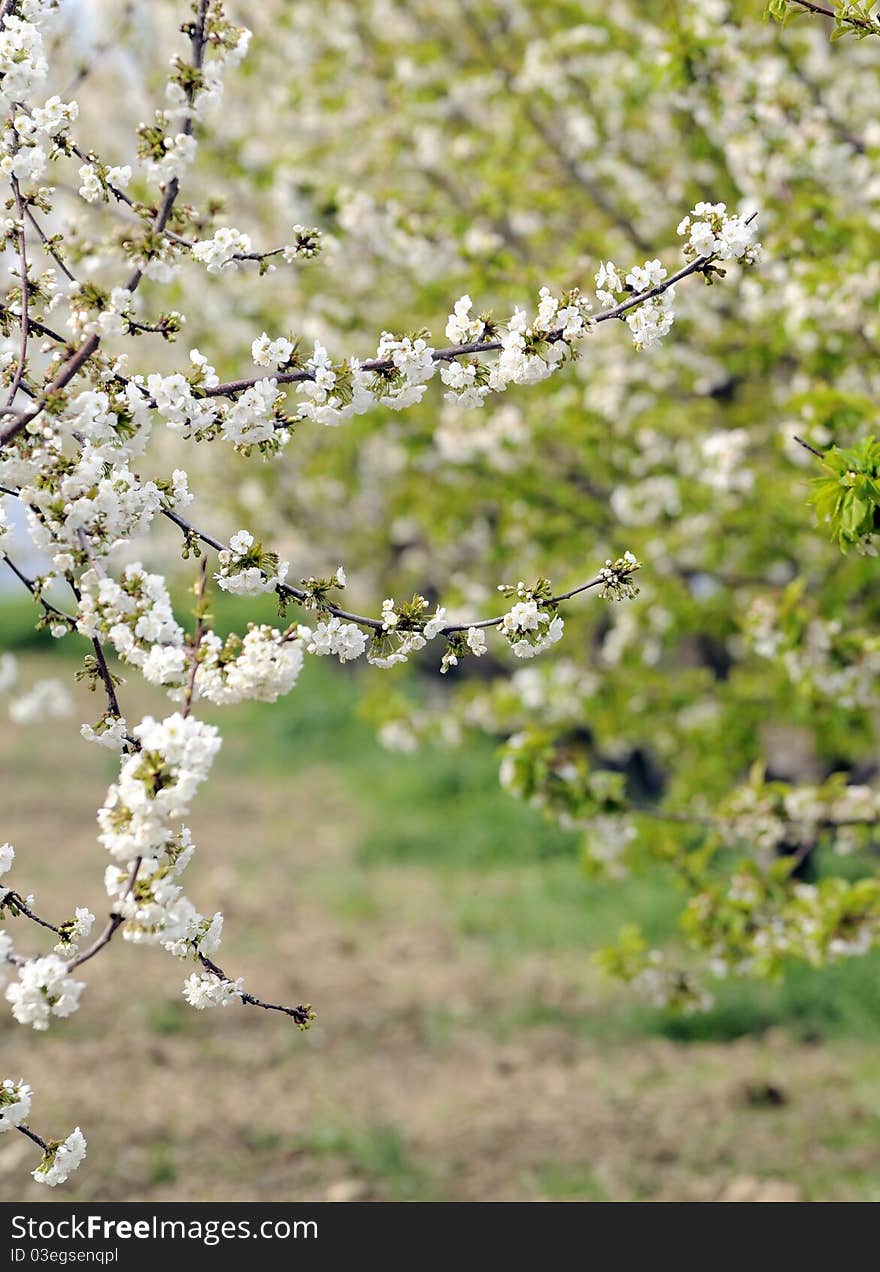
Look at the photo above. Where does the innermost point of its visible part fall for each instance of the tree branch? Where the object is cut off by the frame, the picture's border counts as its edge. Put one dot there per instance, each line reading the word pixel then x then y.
pixel 89 346
pixel 233 387
pixel 362 620
pixel 302 1014
pixel 25 288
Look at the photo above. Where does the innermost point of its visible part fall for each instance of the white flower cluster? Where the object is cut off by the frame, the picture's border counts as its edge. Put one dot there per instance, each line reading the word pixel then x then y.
pixel 94 187
pixel 61 1160
pixel 529 352
pixel 15 1103
pixel 35 131
pixel 267 352
pixel 461 328
pixel 118 428
pixel 88 497
pixel 167 146
pixel 222 251
pixel 23 65
pixel 263 667
pixel 156 785
pixel 247 421
pixel 108 315
pixel 75 930
pixel 140 828
pixel 245 570
pixel 111 732
pixel 43 989
pixel 712 233
pixel 176 155
pixel 250 419
pixel 306 244
pixel 475 643
pixel 329 397
pixel 650 321
pixel 710 230
pixel 91 188
pixel 529 629
pixel 135 616
pixel 205 989
pixel 209 91
pixel 332 636
pixel 175 401
pixel 616 576
pixel 404 633
pixel 155 909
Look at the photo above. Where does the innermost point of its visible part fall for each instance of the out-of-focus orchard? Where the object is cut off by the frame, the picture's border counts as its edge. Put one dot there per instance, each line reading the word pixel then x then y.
pixel 689 778
pixel 491 149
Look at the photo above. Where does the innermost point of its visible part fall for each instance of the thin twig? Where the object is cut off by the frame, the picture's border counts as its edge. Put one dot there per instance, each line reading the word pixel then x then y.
pixel 847 18
pixel 31 586
pixel 375 624
pixel 302 1015
pixel 32 1135
pixel 806 445
pixel 49 246
pixel 115 921
pixel 13 901
pixel 198 636
pixel 232 388
pixel 25 287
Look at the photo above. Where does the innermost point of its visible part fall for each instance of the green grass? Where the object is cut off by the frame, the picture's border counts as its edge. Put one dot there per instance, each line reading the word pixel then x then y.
pixel 17 630
pixel 833 1002
pixel 169 1017
pixel 512 881
pixel 376 1154
pixel 567 1183
pixel 162 1167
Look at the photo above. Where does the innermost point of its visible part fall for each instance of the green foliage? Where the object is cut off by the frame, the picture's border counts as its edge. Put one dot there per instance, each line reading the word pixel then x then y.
pixel 848 499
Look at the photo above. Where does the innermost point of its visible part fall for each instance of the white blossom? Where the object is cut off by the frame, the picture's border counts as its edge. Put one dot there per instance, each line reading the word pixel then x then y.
pixel 15 1103
pixel 219 252
pixel 333 636
pixel 245 570
pixel 204 989
pixel 61 1160
pixel 43 989
pixel 267 352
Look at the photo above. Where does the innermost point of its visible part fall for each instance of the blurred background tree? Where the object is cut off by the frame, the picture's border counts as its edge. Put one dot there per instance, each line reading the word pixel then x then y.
pixel 487 148
pixel 714 740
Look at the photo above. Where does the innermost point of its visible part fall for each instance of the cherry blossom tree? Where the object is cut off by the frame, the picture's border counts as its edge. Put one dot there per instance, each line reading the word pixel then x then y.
pixel 427 155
